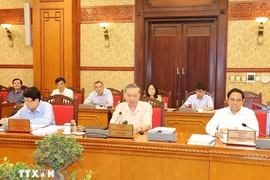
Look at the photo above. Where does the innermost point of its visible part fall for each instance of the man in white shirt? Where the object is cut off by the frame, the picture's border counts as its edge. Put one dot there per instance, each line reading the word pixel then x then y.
pixel 200 98
pixel 100 96
pixel 233 116
pixel 133 111
pixel 61 88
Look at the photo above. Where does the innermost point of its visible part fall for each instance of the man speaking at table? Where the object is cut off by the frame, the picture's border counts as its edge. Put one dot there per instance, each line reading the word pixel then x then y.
pixel 133 111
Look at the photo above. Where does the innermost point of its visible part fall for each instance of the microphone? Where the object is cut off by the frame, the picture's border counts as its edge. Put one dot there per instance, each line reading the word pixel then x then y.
pixel 117 119
pixel 244 125
pixel 125 122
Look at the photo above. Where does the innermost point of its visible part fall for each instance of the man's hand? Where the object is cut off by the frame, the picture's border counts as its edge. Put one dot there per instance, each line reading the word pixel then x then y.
pixel 136 129
pixel 3 120
pixel 220 132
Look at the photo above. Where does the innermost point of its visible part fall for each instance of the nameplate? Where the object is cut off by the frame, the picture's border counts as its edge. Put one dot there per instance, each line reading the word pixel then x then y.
pixel 241 137
pixel 19 125
pixel 121 130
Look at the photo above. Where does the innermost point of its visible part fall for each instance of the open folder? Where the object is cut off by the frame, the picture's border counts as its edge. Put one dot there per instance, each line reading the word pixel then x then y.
pixel 201 139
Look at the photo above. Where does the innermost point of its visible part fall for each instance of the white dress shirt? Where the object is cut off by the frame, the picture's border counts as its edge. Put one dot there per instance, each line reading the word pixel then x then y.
pixel 67 92
pixel 106 98
pixel 205 101
pixel 43 115
pixel 142 114
pixel 224 118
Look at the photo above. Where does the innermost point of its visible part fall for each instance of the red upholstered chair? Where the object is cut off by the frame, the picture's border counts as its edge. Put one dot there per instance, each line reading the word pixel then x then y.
pixel 158 111
pixel 261 115
pixel 117 96
pixel 4 92
pixel 79 93
pixel 64 108
pixel 166 96
pixel 251 97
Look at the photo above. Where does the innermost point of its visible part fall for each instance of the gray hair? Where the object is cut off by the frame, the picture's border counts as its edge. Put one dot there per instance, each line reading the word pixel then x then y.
pixel 132 85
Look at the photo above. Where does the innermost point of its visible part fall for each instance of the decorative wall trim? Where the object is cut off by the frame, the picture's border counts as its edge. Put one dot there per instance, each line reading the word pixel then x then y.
pixel 118 13
pixel 16 66
pixel 248 69
pixel 237 11
pixel 248 10
pixel 12 16
pixel 90 68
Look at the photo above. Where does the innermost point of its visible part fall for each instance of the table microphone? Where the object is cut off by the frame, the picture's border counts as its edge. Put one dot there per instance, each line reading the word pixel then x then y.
pixel 117 119
pixel 125 122
pixel 244 125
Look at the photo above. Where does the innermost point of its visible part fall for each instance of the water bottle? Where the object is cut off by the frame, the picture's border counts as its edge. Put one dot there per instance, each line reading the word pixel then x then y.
pixel 72 126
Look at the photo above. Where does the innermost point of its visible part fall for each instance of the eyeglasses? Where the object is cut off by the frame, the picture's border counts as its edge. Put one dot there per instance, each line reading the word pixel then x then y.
pixel 235 100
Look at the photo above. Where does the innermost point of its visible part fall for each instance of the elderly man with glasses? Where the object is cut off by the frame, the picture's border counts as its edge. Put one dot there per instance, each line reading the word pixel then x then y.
pixel 233 116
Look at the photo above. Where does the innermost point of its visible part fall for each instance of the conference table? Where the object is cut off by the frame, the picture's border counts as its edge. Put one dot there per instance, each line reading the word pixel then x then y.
pixel 192 122
pixel 139 159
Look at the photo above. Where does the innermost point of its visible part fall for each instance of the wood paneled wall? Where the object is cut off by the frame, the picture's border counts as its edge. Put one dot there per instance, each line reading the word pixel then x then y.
pixel 54 35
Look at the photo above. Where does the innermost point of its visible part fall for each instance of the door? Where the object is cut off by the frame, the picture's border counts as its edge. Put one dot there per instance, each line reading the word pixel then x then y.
pixel 181 54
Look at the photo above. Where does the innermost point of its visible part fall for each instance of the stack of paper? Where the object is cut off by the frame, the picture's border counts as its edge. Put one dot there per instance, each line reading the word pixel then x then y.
pixel 46 130
pixel 201 139
pixel 163 130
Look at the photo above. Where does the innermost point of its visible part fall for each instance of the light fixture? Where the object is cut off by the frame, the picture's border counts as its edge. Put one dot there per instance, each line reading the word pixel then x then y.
pixel 261 20
pixel 104 25
pixel 9 33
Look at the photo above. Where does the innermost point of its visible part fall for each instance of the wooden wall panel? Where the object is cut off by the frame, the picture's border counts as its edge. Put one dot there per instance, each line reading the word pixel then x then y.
pixel 52 49
pixel 54 35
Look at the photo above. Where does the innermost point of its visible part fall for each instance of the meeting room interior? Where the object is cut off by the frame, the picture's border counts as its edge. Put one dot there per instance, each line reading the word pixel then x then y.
pixel 172 44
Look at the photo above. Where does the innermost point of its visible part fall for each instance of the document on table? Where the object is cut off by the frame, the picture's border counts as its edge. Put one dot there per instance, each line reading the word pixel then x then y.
pixel 163 130
pixel 46 130
pixel 201 139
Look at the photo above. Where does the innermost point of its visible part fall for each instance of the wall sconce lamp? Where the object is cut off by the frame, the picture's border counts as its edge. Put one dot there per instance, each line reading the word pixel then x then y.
pixel 106 33
pixel 261 20
pixel 9 33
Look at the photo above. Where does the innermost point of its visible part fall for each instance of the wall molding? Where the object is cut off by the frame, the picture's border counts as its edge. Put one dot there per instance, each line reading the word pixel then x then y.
pixel 248 69
pixel 12 16
pixel 91 68
pixel 248 10
pixel 16 66
pixel 126 13
pixel 120 13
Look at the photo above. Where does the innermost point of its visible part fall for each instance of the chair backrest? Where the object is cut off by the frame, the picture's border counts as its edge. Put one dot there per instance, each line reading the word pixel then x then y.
pixel 78 93
pixel 166 96
pixel 158 111
pixel 261 114
pixel 4 92
pixel 212 95
pixel 64 108
pixel 47 93
pixel 117 96
pixel 252 97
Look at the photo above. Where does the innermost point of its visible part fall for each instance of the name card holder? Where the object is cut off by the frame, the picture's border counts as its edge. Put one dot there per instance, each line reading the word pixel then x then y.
pixel 241 137
pixel 121 131
pixel 19 125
